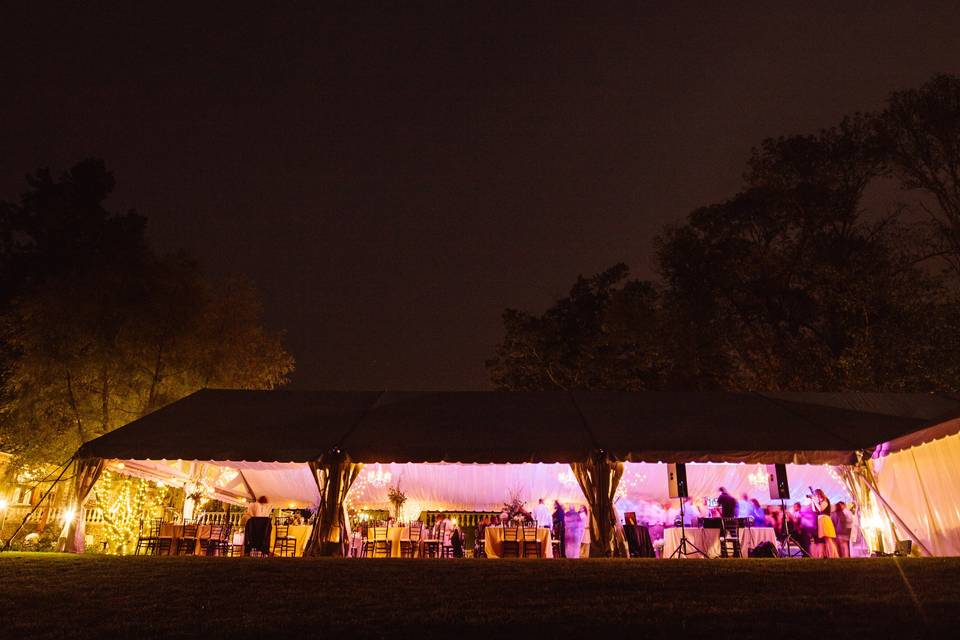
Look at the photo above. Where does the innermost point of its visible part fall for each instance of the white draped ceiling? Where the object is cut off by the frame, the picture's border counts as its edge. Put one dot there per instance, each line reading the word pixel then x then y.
pixel 469 487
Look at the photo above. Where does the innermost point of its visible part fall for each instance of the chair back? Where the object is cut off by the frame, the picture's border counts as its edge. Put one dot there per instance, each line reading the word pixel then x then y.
pixel 730 527
pixel 218 531
pixel 415 532
pixel 190 530
pixel 283 530
pixel 377 533
pixel 511 534
pixel 529 534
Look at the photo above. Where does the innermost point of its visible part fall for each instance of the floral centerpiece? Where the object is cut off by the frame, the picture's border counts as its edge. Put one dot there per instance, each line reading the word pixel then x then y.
pixel 397 498
pixel 515 511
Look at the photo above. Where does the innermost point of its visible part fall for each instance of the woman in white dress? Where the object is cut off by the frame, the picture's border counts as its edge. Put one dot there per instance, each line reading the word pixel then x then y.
pixel 572 532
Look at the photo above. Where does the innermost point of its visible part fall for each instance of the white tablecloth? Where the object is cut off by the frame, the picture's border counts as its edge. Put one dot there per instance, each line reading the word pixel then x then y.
pixel 708 540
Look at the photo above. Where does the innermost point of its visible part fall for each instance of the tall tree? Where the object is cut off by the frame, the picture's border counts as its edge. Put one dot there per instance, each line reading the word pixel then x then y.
pixel 797 290
pixel 101 330
pixel 920 132
pixel 603 335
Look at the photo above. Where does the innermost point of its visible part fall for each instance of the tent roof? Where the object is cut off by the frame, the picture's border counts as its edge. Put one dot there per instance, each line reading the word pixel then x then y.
pixel 515 427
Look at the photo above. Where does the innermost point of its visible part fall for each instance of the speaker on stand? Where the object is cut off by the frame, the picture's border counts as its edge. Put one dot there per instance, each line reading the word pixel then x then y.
pixel 677 485
pixel 780 490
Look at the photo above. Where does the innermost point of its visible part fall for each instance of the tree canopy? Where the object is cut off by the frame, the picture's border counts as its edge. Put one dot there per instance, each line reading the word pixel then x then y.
pixel 99 330
pixel 792 283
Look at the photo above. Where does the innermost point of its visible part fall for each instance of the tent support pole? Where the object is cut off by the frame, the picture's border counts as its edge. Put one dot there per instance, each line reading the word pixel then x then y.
pixel 66 465
pixel 889 510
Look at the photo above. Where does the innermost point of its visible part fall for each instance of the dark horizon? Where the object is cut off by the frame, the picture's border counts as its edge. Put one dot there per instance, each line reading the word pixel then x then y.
pixel 392 182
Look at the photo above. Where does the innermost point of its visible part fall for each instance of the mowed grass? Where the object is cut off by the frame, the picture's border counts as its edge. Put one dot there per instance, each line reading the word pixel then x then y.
pixel 60 596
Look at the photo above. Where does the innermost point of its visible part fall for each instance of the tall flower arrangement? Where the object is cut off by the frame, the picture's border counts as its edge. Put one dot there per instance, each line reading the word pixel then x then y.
pixel 397 498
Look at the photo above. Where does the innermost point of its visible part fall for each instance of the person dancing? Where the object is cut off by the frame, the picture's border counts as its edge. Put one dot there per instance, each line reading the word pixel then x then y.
pixel 825 540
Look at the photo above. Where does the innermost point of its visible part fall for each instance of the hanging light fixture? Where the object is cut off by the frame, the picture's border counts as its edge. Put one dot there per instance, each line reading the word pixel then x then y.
pixel 759 477
pixel 567 477
pixel 378 477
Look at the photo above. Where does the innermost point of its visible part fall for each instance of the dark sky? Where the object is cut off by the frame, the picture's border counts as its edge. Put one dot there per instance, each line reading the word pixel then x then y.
pixel 392 179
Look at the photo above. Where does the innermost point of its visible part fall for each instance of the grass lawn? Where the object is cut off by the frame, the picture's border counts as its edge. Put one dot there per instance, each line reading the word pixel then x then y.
pixel 60 596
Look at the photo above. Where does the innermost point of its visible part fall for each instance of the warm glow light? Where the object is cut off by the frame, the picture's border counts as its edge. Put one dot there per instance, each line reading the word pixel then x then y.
pixel 567 477
pixel 120 465
pixel 3 504
pixel 69 515
pixel 759 477
pixel 378 477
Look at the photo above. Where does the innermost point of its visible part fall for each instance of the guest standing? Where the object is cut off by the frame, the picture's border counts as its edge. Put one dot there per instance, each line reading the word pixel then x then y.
pixel 558 526
pixel 585 538
pixel 573 532
pixel 541 513
pixel 256 531
pixel 826 534
pixel 843 523
pixel 727 504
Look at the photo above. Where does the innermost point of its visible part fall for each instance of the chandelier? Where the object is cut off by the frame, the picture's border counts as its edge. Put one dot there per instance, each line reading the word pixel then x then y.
pixel 759 477
pixel 567 477
pixel 378 477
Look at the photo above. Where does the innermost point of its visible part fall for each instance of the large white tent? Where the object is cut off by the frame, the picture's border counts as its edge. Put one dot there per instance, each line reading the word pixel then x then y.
pixel 469 450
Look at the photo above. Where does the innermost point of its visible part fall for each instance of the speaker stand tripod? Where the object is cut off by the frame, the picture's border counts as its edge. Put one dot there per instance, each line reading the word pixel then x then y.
pixel 788 537
pixel 685 547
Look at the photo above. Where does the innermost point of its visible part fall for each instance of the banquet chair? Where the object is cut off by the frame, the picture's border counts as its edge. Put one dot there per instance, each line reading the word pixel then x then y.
pixel 149 542
pixel 378 544
pixel 448 547
pixel 410 544
pixel 510 542
pixel 531 545
pixel 479 545
pixel 430 548
pixel 284 545
pixel 187 543
pixel 730 538
pixel 211 544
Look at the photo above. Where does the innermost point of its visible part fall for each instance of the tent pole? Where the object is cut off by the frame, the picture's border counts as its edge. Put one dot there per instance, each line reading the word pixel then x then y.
pixel 890 511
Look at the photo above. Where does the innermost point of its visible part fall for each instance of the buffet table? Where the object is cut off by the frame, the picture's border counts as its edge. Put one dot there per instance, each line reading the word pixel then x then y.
pixel 708 540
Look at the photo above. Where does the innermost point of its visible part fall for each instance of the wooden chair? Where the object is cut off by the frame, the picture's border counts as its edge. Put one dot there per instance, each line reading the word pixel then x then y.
pixel 410 544
pixel 284 545
pixel 480 543
pixel 212 544
pixel 148 541
pixel 510 542
pixel 730 538
pixel 430 547
pixel 448 548
pixel 187 543
pixel 378 543
pixel 531 545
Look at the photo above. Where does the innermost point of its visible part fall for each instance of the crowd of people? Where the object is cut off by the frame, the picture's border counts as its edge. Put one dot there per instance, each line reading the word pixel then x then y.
pixel 819 528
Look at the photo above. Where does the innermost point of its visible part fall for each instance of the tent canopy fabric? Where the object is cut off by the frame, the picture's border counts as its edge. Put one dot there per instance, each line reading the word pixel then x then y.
pixel 518 427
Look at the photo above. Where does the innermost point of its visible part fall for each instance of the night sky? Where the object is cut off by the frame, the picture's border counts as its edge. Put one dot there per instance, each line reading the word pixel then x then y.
pixel 391 180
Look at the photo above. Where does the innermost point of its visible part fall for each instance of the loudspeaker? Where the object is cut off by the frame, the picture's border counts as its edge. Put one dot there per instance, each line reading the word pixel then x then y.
pixel 777 479
pixel 677 480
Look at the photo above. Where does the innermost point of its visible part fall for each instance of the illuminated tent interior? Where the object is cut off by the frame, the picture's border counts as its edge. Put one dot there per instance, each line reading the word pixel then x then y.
pixel 471 450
